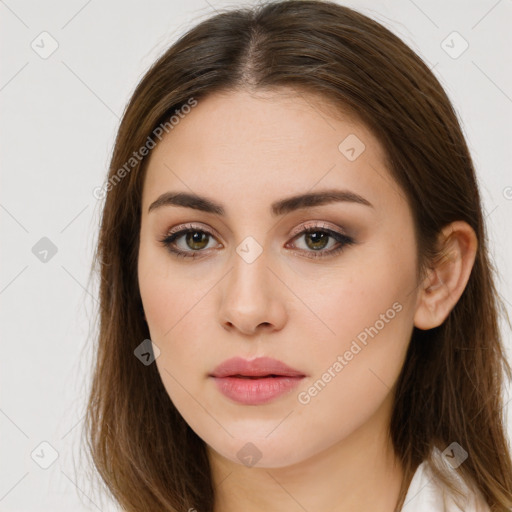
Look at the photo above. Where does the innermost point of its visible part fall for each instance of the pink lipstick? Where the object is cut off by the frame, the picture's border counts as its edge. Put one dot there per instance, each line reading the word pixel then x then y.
pixel 255 382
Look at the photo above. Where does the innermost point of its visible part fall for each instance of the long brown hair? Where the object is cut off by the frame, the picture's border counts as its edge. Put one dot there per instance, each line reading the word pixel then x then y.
pixel 451 385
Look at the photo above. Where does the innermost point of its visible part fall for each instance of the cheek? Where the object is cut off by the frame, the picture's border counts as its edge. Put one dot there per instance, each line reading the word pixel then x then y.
pixel 369 315
pixel 167 294
pixel 355 372
pixel 353 385
pixel 172 308
pixel 175 304
pixel 172 305
pixel 370 294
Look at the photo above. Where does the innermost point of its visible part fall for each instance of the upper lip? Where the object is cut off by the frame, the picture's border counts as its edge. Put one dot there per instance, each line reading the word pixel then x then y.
pixel 260 367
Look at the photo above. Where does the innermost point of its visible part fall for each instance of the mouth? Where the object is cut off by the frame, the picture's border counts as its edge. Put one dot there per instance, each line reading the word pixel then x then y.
pixel 255 382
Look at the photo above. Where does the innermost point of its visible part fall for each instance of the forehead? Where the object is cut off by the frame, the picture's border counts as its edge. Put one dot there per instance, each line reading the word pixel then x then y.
pixel 259 147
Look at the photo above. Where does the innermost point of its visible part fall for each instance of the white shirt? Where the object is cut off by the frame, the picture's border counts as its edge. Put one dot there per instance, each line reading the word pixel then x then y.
pixel 427 494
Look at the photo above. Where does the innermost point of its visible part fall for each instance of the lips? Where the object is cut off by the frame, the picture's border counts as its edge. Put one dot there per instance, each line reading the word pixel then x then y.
pixel 255 382
pixel 256 368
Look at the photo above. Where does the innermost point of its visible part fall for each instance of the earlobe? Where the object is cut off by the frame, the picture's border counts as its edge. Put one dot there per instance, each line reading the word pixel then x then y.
pixel 442 288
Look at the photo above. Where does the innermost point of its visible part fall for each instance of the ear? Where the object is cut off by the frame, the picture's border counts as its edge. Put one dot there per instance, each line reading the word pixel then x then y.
pixel 444 285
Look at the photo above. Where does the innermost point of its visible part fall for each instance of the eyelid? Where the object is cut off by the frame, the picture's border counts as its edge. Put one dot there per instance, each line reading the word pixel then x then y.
pixel 187 226
pixel 316 224
pixel 311 224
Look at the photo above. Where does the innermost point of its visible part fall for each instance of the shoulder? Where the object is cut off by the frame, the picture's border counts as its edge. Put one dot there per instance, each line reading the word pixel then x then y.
pixel 427 494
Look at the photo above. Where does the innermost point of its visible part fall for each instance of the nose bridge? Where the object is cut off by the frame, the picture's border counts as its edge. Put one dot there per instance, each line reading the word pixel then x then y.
pixel 250 269
pixel 251 292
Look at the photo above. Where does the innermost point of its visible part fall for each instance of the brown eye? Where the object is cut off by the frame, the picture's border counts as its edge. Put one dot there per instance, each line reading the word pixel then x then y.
pixel 188 242
pixel 196 239
pixel 317 239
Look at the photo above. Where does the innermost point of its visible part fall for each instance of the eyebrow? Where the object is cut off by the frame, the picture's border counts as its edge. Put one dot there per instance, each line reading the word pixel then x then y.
pixel 280 207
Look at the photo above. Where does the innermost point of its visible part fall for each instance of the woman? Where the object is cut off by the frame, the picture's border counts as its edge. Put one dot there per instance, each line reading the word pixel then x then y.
pixel 298 310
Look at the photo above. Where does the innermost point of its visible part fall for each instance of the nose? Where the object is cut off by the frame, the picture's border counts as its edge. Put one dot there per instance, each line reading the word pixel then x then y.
pixel 252 298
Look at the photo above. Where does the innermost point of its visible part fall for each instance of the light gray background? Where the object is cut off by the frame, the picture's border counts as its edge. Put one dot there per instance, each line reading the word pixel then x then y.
pixel 59 118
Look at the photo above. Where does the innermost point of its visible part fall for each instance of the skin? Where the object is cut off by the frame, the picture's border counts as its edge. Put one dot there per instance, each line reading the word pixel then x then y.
pixel 245 151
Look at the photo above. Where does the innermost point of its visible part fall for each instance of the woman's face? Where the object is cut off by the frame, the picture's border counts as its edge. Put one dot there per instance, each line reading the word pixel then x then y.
pixel 335 304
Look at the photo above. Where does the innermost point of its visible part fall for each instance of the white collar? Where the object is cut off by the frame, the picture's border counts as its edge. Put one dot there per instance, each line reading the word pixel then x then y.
pixel 427 494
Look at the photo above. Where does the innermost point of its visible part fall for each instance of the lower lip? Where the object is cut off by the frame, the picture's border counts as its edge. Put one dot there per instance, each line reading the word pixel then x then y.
pixel 255 391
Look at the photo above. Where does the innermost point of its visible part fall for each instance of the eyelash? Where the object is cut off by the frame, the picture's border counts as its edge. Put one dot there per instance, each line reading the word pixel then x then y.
pixel 344 240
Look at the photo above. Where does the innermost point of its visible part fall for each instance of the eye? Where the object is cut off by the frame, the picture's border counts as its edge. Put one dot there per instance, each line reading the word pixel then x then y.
pixel 193 238
pixel 318 237
pixel 190 241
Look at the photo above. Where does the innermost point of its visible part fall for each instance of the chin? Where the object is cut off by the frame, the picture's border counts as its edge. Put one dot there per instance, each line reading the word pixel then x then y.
pixel 261 452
